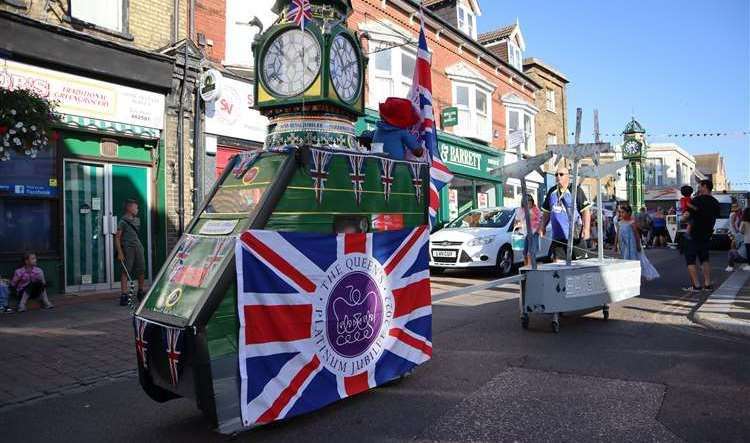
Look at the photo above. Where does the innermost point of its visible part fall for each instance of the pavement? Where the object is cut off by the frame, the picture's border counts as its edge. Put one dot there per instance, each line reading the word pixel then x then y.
pixel 647 374
pixel 728 308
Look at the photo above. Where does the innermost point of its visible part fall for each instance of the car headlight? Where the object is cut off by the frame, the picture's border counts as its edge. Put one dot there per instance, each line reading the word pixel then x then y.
pixel 481 241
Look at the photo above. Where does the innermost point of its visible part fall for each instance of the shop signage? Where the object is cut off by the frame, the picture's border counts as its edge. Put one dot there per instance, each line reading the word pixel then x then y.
pixel 468 161
pixel 85 97
pixel 449 117
pixel 231 115
pixel 461 156
pixel 29 190
pixel 210 85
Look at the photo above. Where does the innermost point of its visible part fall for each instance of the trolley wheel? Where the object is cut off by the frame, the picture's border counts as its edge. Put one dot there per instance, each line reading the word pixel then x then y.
pixel 556 327
pixel 605 313
pixel 525 321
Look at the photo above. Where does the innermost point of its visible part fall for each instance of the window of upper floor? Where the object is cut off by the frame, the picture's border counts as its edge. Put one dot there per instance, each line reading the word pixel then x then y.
pixel 515 56
pixel 467 21
pixel 239 35
pixel 550 99
pixel 391 71
pixel 551 139
pixel 109 15
pixel 521 131
pixel 474 105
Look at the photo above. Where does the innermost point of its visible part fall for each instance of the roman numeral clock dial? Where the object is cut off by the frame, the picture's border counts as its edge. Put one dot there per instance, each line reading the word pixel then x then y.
pixel 345 68
pixel 291 63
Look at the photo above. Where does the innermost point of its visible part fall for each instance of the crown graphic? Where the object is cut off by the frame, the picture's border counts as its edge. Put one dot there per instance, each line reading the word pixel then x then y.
pixel 355 317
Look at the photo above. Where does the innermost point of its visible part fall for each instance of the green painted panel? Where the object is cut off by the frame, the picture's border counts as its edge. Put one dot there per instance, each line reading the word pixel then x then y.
pixel 79 144
pixel 160 209
pixel 84 214
pixel 221 330
pixel 131 182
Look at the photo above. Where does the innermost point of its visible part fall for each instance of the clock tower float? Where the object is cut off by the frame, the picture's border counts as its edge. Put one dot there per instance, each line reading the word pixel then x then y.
pixel 634 148
pixel 310 78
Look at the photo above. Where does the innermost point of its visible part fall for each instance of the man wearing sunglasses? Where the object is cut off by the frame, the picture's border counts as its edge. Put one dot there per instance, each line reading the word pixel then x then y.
pixel 555 209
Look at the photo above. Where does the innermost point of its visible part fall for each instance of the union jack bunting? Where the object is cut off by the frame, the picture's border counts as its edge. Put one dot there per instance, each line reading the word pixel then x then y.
pixel 421 97
pixel 325 316
pixel 141 345
pixel 243 163
pixel 321 162
pixel 300 12
pixel 357 174
pixel 386 176
pixel 416 179
pixel 173 342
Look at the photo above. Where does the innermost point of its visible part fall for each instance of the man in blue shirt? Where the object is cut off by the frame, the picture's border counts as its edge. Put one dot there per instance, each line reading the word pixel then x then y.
pixel 555 209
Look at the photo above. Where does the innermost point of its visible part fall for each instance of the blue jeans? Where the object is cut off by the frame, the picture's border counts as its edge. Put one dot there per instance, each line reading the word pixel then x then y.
pixel 4 292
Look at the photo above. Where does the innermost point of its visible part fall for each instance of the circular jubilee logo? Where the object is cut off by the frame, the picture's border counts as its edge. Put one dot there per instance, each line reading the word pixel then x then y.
pixel 353 314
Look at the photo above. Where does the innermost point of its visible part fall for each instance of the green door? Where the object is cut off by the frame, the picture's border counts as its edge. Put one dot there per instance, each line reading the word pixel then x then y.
pixel 131 182
pixel 85 227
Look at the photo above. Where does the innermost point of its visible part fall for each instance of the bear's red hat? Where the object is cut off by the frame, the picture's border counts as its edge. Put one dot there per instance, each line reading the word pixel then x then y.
pixel 399 112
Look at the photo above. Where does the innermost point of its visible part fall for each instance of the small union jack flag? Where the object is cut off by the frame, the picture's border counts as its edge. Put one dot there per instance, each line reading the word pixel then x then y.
pixel 141 348
pixel 386 176
pixel 300 12
pixel 357 174
pixel 321 160
pixel 173 341
pixel 416 179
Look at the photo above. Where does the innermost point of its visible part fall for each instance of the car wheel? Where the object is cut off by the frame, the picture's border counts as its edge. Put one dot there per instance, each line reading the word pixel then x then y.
pixel 505 261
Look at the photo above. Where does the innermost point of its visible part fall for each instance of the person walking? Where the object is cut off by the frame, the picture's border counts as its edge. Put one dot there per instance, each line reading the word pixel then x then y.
pixel 530 244
pixel 628 236
pixel 555 209
pixel 644 221
pixel 659 229
pixel 703 214
pixel 130 250
pixel 745 230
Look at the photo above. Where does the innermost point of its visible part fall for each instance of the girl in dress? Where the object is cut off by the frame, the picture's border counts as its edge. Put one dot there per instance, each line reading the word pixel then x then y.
pixel 628 236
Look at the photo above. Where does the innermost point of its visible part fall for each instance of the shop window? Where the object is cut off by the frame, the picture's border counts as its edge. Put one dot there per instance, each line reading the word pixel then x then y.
pixel 107 14
pixel 29 204
pixel 28 225
pixel 509 191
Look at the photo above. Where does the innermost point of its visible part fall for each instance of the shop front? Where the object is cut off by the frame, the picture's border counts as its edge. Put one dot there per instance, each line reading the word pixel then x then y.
pixel 232 126
pixel 65 203
pixel 474 185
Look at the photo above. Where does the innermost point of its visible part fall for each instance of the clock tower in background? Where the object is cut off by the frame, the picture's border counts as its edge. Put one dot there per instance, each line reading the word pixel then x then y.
pixel 634 148
pixel 310 80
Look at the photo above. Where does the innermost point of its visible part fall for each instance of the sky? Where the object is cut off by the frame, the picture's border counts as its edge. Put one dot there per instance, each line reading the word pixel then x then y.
pixel 677 66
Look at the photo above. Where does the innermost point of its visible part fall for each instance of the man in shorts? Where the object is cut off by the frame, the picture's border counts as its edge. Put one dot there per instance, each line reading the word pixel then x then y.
pixel 130 250
pixel 702 218
pixel 555 209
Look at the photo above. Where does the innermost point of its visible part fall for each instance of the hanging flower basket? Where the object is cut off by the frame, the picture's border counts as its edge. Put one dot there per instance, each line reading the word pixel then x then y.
pixel 26 120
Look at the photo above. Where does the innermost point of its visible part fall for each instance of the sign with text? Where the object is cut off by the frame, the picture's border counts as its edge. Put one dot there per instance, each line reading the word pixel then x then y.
pixel 449 117
pixel 231 114
pixel 85 97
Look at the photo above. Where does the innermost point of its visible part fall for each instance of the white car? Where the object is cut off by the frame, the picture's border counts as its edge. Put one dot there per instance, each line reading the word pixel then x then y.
pixel 480 238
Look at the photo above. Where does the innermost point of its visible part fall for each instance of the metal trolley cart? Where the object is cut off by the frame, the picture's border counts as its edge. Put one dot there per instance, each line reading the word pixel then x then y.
pixel 582 286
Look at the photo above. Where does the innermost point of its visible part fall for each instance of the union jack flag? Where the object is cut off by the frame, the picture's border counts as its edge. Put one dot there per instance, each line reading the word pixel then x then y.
pixel 173 342
pixel 141 344
pixel 324 316
pixel 421 97
pixel 321 161
pixel 357 174
pixel 300 12
pixel 416 179
pixel 386 176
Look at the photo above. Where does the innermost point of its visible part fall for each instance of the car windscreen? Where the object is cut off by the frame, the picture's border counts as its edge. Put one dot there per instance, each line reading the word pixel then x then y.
pixel 488 218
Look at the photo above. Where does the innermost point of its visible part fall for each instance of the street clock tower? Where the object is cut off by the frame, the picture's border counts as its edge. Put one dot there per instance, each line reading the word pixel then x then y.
pixel 310 80
pixel 634 148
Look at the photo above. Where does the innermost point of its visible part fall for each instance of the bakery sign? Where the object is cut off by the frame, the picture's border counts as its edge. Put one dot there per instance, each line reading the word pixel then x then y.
pixel 85 97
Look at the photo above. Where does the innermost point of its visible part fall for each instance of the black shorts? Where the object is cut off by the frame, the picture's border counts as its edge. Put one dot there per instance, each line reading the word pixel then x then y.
pixel 559 250
pixel 697 249
pixel 660 232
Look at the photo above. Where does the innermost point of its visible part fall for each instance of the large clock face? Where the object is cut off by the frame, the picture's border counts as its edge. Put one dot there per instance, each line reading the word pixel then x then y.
pixel 291 63
pixel 345 71
pixel 631 148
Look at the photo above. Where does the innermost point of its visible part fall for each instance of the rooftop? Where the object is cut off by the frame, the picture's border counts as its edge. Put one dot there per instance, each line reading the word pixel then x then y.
pixel 497 34
pixel 633 127
pixel 708 163
pixel 533 61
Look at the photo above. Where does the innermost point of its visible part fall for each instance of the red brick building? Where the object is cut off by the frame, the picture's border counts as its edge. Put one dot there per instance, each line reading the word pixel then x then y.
pixel 493 97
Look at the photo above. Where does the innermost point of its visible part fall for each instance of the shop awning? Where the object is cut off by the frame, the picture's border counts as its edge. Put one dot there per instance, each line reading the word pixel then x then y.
pixel 108 127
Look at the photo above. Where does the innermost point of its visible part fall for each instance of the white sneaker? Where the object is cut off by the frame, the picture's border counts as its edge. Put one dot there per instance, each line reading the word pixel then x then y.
pixel 729 269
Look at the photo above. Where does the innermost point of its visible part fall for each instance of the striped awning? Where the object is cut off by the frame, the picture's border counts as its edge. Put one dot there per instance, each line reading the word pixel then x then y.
pixel 108 127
